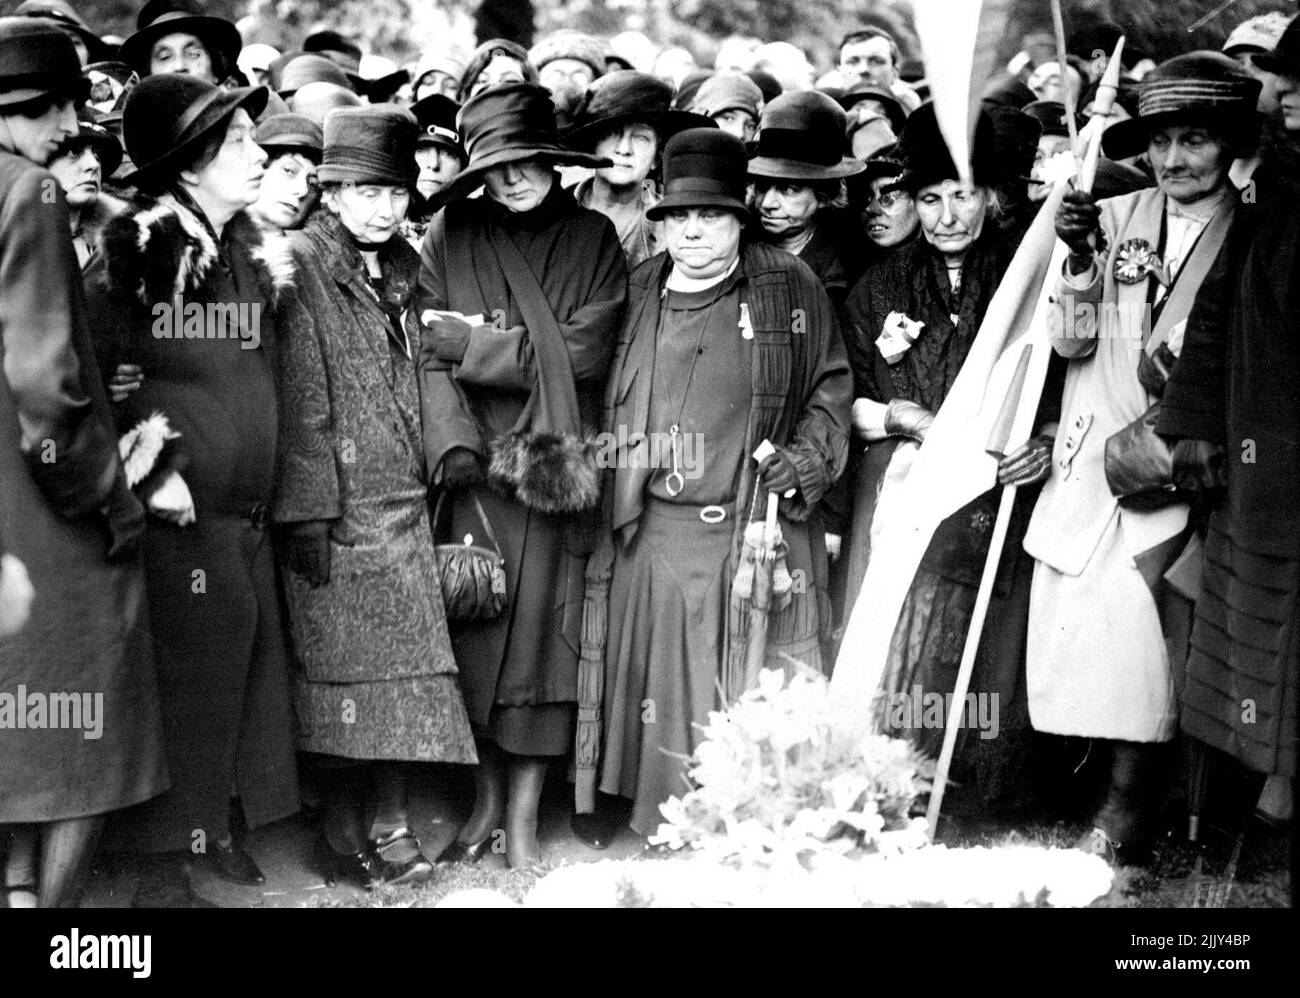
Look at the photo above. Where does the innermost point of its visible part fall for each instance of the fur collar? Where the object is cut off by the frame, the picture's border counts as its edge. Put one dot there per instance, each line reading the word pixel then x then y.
pixel 159 248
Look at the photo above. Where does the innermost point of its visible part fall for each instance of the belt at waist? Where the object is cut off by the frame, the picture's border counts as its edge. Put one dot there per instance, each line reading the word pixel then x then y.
pixel 657 507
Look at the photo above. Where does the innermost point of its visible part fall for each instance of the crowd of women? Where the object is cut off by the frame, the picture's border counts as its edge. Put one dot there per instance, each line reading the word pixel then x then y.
pixel 304 370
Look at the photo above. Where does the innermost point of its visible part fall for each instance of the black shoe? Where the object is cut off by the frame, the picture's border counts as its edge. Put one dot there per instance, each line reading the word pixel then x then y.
pixel 231 863
pixel 459 852
pixel 390 869
pixel 597 829
pixel 356 868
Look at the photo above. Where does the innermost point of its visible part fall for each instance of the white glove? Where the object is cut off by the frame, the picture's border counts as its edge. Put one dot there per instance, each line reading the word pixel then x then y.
pixel 172 501
pixel 16 595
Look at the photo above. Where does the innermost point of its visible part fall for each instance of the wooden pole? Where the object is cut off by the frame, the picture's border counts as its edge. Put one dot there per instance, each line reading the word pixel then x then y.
pixel 1071 98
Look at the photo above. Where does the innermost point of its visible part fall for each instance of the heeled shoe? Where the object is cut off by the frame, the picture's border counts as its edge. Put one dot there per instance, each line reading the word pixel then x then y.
pixel 386 861
pixel 459 852
pixel 357 868
pixel 597 829
pixel 231 863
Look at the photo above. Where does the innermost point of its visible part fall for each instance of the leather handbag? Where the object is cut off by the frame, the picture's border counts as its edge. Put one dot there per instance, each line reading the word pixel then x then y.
pixel 1139 464
pixel 472 577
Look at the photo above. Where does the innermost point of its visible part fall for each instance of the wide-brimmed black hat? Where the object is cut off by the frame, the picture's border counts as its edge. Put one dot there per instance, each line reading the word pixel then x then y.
pixel 703 168
pixel 436 116
pixel 159 18
pixel 866 91
pixel 289 132
pixel 801 137
pixel 69 20
pixel 1002 150
pixel 372 144
pixel 168 117
pixel 1206 88
pixel 1285 58
pixel 37 59
pixel 509 123
pixel 625 96
pixel 96 136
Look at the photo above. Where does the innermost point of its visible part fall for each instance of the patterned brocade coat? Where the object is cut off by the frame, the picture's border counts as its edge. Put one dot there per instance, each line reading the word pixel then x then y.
pixel 376 675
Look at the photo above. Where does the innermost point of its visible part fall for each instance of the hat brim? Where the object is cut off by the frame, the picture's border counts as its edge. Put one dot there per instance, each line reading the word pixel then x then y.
pixel 665 123
pixel 218 35
pixel 424 141
pixel 75 87
pixel 471 178
pixel 893 110
pixel 1132 136
pixel 221 106
pixel 696 199
pixel 1273 62
pixel 774 168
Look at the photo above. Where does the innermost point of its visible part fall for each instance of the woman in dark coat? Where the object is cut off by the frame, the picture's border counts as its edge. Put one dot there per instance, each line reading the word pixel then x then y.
pixel 58 470
pixel 522 292
pixel 375 679
pixel 945 281
pixel 186 288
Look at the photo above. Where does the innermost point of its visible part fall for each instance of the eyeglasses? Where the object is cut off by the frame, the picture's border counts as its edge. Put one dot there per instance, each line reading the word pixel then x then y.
pixel 890 200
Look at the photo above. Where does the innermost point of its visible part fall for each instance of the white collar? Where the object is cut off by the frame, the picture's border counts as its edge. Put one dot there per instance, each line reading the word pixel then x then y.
pixel 677 281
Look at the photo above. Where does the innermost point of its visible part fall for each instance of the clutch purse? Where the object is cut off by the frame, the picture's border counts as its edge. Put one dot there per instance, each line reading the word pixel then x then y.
pixel 472 577
pixel 1140 466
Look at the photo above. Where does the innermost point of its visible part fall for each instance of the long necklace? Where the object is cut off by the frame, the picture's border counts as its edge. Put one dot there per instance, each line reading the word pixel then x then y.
pixel 676 481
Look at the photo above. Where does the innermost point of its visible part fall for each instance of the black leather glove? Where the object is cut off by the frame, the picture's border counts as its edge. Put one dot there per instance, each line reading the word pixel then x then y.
pixel 1199 464
pixel 1076 219
pixel 461 469
pixel 778 473
pixel 306 548
pixel 907 419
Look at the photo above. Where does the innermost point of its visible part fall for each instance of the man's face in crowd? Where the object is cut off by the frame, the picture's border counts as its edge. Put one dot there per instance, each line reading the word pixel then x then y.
pixel 1189 161
pixel 784 209
pixel 78 173
pixel 1047 82
pixel 703 242
pixel 736 122
pixel 438 167
pixel 39 138
pixel 890 216
pixel 286 190
pixel 519 186
pixel 869 60
pixel 183 54
pixel 632 148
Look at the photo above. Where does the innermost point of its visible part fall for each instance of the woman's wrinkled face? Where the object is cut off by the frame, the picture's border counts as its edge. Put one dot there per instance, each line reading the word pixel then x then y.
pixel 785 209
pixel 952 215
pixel 371 212
pixel 519 186
pixel 632 148
pixel 438 167
pixel 286 190
pixel 499 69
pixel 181 53
pixel 1189 162
pixel 234 177
pixel 78 173
pixel 890 216
pixel 703 242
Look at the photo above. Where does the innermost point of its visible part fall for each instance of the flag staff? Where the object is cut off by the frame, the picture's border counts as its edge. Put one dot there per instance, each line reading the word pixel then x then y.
pixel 997 445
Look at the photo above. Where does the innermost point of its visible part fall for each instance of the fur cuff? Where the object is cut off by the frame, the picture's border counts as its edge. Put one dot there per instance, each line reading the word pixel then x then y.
pixel 549 472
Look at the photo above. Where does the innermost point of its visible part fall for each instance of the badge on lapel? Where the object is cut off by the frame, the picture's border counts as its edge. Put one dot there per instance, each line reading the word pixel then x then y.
pixel 1135 261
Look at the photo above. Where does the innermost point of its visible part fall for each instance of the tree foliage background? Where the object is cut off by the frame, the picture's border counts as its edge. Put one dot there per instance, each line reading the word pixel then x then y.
pixel 400 28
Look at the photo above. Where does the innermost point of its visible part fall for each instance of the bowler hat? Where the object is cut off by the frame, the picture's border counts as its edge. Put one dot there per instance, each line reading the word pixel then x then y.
pixel 801 137
pixel 1285 58
pixel 295 70
pixel 1205 88
pixel 625 96
pixel 62 14
pixel 96 136
pixel 371 144
pixel 160 18
pixel 1002 151
pixel 436 116
pixel 335 47
pixel 289 132
pixel 168 117
pixel 37 59
pixel 728 92
pixel 1050 115
pixel 703 168
pixel 509 123
pixel 316 100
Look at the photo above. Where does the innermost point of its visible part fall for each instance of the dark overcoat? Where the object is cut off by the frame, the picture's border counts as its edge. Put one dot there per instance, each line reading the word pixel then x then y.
pixel 58 467
pixel 213 602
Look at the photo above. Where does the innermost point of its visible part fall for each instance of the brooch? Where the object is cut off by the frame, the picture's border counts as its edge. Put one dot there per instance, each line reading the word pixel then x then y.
pixel 1135 260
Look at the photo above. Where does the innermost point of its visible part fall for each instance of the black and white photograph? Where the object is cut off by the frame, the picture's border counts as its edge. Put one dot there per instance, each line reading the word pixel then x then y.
pixel 587 454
